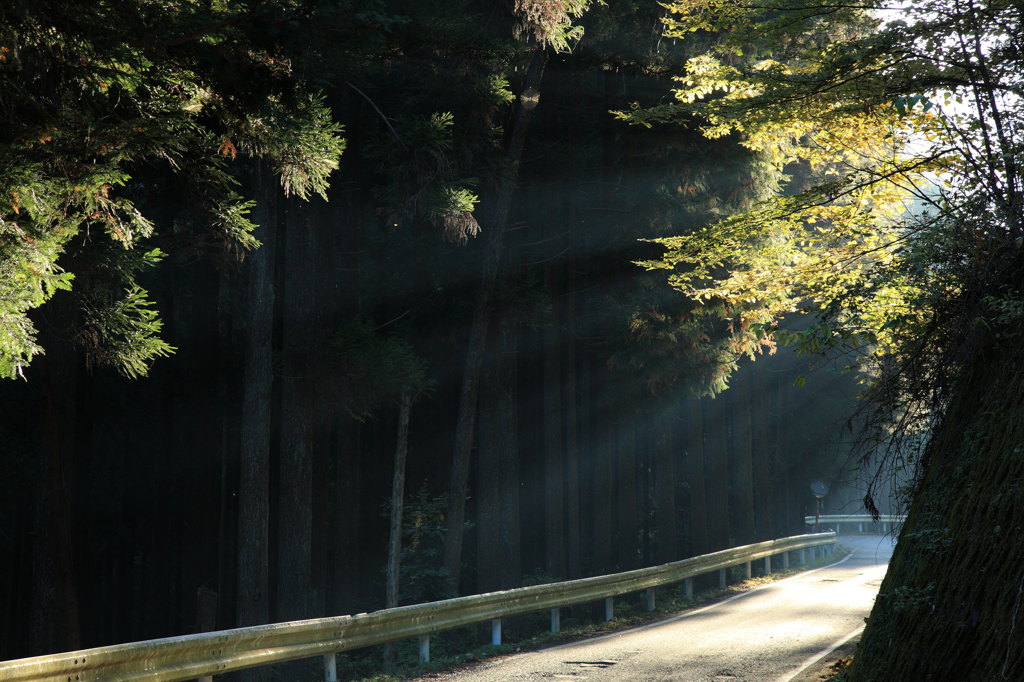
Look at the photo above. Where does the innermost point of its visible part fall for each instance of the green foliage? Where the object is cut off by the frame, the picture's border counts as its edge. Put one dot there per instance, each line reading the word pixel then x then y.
pixel 450 209
pixel 424 180
pixel 454 200
pixel 549 22
pixel 373 369
pixel 497 86
pixel 913 192
pixel 904 598
pixel 423 529
pixel 930 544
pixel 122 333
pixel 1006 313
pixel 690 348
pixel 91 118
pixel 670 342
pixel 29 276
pixel 300 138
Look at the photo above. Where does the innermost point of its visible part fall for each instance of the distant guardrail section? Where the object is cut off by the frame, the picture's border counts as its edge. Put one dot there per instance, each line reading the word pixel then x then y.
pixel 860 523
pixel 214 653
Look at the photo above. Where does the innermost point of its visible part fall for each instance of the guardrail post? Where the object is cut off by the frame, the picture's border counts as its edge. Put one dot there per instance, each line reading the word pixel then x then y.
pixel 556 619
pixel 496 631
pixel 748 570
pixel 330 668
pixel 650 598
pixel 767 565
pixel 688 588
pixel 721 579
pixel 785 561
pixel 860 527
pixel 609 608
pixel 803 556
pixel 424 648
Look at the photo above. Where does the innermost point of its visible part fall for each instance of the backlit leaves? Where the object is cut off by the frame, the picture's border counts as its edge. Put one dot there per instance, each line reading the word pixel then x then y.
pixel 87 106
pixel 549 22
pixel 789 96
pixel 907 248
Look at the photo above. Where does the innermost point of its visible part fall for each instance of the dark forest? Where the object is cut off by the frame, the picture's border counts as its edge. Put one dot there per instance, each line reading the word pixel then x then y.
pixel 312 269
pixel 591 453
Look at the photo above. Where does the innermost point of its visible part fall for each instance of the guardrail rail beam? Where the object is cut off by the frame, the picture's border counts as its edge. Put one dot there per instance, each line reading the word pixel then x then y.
pixel 215 653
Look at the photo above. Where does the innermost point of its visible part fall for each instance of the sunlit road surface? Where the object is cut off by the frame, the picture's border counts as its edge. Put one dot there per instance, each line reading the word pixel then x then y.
pixel 775 633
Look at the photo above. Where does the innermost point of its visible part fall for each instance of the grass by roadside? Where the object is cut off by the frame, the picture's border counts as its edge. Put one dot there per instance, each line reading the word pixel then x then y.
pixel 529 633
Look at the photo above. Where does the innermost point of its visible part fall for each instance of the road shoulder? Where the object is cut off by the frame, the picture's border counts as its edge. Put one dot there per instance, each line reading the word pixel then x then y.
pixel 827 668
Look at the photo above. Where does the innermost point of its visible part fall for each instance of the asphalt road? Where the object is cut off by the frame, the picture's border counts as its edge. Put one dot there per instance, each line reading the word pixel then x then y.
pixel 775 633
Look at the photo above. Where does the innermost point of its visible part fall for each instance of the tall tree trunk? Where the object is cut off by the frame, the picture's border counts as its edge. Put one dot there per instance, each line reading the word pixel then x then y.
pixel 572 446
pixel 628 524
pixel 54 623
pixel 602 484
pixel 199 457
pixel 497 483
pixel 397 499
pixel 488 485
pixel 230 391
pixel 253 585
pixel 495 225
pixel 508 453
pixel 161 557
pixel 327 309
pixel 746 453
pixel 645 494
pixel 345 447
pixel 695 478
pixel 951 603
pixel 742 492
pixel 554 470
pixel 664 491
pixel 393 568
pixel 182 500
pixel 790 516
pixel 295 464
pixel 347 477
pixel 764 415
pixel 716 458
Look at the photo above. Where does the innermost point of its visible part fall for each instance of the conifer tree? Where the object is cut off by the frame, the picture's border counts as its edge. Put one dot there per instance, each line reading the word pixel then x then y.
pixel 546 23
pixel 101 102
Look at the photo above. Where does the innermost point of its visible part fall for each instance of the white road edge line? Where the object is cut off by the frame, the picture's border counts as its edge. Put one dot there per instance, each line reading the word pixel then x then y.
pixel 811 660
pixel 688 614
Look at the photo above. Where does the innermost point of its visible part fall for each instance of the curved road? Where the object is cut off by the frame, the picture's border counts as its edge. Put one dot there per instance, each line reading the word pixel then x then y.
pixel 773 633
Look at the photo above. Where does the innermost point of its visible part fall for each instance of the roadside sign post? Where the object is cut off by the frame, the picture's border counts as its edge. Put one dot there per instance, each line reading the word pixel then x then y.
pixel 819 489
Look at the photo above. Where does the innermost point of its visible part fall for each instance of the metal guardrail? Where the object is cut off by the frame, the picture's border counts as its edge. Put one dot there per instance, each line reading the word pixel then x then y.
pixel 886 521
pixel 214 653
